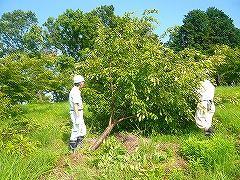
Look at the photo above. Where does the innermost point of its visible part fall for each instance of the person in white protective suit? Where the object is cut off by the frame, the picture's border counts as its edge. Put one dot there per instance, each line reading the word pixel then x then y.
pixel 205 107
pixel 76 114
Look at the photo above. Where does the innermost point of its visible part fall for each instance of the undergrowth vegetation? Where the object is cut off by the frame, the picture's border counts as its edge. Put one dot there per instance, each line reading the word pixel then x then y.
pixel 34 145
pixel 218 154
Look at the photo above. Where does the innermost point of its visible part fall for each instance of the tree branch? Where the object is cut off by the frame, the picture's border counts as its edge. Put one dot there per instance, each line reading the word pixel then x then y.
pixel 122 119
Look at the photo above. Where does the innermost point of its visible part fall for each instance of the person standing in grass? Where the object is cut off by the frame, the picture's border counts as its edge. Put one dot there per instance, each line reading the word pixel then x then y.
pixel 76 114
pixel 205 107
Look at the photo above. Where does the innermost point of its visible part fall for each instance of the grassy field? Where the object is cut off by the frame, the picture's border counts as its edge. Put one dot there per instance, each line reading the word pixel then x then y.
pixel 228 109
pixel 42 151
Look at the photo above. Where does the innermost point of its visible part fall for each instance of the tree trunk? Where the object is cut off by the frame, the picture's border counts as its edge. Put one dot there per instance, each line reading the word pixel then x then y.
pixel 218 80
pixel 99 141
pixel 40 95
pixel 107 131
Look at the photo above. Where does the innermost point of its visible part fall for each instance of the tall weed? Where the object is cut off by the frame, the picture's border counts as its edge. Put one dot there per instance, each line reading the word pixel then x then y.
pixel 31 168
pixel 217 155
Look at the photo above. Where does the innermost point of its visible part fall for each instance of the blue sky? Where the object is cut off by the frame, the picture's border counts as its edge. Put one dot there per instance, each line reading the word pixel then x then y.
pixel 171 11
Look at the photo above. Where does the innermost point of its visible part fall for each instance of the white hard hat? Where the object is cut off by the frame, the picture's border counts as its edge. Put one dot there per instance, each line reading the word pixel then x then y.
pixel 78 79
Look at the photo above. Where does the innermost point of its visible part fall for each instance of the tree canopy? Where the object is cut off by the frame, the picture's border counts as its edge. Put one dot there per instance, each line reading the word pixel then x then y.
pixel 130 75
pixel 19 33
pixel 74 30
pixel 202 30
pixel 227 65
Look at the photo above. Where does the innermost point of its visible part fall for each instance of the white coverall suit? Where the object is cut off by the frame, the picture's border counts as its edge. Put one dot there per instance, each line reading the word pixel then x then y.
pixel 78 125
pixel 206 107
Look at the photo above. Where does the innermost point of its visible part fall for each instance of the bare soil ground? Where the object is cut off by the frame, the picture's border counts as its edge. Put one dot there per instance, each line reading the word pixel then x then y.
pixel 130 142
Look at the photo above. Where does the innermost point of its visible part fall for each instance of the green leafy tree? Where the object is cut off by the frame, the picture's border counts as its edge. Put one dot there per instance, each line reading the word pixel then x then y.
pixel 175 42
pixel 194 33
pixel 19 32
pixel 15 82
pixel 59 85
pixel 203 30
pixel 223 31
pixel 106 14
pixel 74 30
pixel 226 61
pixel 130 76
pixel 26 78
pixel 195 30
pixel 71 32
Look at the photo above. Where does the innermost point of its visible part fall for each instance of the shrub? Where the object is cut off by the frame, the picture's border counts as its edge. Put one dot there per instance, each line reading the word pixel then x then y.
pixel 13 136
pixel 110 153
pixel 20 145
pixel 7 109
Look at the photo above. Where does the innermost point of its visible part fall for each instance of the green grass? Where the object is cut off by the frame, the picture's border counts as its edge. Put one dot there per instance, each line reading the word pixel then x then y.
pixel 228 110
pixel 230 114
pixel 45 140
pixel 156 157
pixel 32 168
pixel 228 91
pixel 47 114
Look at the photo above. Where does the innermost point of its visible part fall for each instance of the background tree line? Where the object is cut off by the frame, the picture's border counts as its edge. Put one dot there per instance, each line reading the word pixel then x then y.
pixel 211 32
pixel 129 72
pixel 203 30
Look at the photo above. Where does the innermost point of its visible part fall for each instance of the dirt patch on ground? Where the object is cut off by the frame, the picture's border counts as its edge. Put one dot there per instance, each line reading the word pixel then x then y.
pixel 71 160
pixel 59 172
pixel 131 143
